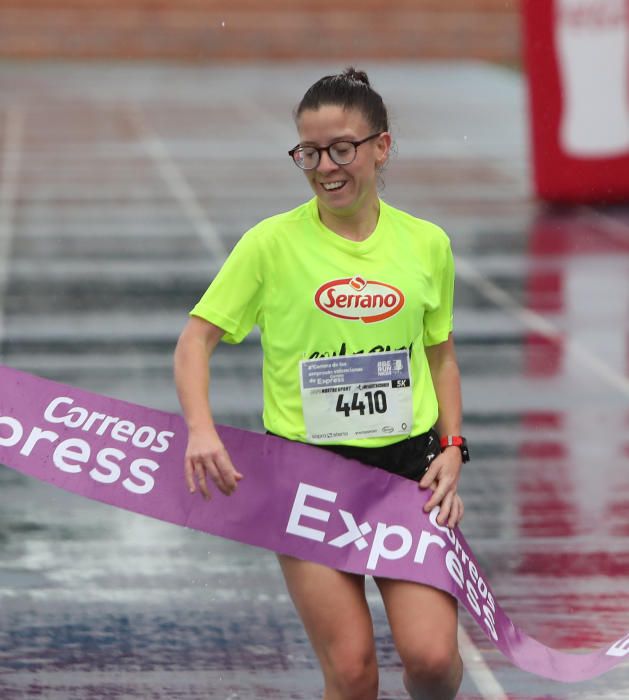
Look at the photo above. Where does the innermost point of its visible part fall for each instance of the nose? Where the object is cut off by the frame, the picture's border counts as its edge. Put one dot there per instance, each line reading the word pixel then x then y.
pixel 326 164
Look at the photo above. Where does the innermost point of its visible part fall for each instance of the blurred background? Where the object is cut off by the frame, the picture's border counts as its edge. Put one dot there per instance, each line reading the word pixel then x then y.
pixel 140 139
pixel 246 30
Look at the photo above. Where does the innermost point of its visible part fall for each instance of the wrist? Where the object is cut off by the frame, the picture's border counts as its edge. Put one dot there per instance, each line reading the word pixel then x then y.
pixel 458 442
pixel 204 426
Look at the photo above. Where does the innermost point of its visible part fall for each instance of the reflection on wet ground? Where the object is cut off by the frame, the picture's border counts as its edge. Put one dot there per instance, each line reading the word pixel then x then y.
pixel 123 189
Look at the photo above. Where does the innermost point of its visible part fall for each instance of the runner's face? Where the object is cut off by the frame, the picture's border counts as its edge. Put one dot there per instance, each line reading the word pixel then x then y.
pixel 343 189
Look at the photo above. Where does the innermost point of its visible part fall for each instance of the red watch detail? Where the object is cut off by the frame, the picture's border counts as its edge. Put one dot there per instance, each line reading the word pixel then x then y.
pixel 450 440
pixel 456 441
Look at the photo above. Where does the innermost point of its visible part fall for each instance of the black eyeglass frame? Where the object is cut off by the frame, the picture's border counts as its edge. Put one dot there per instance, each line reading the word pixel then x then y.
pixel 326 149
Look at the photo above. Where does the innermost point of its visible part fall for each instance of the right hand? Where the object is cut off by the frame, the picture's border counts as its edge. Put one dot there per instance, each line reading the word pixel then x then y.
pixel 206 456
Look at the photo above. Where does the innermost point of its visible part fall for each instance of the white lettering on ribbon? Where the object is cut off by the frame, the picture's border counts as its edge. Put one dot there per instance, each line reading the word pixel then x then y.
pixel 354 532
pixel 393 542
pixel 300 509
pixel 425 540
pixel 619 648
pixel 77 417
pixel 16 428
pixel 70 454
pixel 146 480
pixel 455 568
pixel 378 548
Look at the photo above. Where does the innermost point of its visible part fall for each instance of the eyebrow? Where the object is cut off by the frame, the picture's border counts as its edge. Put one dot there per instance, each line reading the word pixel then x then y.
pixel 336 139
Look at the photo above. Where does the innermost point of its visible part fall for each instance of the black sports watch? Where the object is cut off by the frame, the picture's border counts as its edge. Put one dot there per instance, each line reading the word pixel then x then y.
pixel 456 441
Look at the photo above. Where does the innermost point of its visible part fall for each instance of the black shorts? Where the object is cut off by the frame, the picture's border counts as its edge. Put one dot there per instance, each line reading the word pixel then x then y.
pixel 410 457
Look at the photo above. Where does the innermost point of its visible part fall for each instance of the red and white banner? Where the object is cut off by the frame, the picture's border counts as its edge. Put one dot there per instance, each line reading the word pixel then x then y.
pixel 577 62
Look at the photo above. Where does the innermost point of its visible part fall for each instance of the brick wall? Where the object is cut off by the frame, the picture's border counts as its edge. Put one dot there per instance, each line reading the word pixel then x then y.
pixel 260 29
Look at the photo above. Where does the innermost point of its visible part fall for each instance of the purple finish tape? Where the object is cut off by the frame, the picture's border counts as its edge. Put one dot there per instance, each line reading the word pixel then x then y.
pixel 295 499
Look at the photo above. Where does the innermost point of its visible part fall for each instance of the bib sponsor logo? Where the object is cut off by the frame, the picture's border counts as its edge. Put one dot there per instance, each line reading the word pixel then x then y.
pixel 357 299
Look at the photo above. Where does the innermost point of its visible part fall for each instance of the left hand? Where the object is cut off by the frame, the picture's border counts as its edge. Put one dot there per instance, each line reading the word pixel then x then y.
pixel 443 478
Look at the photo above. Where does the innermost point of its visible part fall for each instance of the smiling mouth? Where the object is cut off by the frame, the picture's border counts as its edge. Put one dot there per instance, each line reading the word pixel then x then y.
pixel 333 186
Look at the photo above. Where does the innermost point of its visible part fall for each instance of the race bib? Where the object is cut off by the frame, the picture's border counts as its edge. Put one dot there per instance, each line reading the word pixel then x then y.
pixel 357 396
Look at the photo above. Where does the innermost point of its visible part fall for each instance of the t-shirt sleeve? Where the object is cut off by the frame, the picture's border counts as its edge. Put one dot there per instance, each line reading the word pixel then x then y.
pixel 233 299
pixel 438 321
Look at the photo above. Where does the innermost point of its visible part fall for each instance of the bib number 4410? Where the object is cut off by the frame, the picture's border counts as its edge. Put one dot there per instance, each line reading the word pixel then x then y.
pixel 376 402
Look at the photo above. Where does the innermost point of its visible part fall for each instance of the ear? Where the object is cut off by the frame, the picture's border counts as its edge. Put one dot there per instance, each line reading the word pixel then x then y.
pixel 383 148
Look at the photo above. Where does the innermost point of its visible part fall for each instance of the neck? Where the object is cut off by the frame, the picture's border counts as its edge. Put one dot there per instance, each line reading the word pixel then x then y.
pixel 355 226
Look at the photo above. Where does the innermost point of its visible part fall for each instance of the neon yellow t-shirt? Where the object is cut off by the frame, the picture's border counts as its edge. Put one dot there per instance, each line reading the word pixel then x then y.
pixel 289 275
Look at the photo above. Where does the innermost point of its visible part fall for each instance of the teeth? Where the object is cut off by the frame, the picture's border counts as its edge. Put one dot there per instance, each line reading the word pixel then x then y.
pixel 332 185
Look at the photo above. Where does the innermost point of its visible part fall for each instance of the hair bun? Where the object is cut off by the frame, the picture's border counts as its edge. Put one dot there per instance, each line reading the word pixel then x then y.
pixel 350 89
pixel 358 75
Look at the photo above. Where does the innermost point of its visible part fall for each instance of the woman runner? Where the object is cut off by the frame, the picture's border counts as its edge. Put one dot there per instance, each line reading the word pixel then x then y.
pixel 345 275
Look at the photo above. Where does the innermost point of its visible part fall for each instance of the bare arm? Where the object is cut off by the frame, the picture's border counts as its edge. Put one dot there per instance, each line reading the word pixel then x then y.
pixel 446 378
pixel 443 474
pixel 205 453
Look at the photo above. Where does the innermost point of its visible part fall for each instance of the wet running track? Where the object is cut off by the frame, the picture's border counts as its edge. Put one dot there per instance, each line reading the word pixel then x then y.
pixel 122 189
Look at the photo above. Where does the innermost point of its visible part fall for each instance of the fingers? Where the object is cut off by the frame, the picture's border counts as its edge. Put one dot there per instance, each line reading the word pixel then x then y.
pixel 456 512
pixel 225 473
pixel 451 510
pixel 442 478
pixel 445 508
pixel 443 487
pixel 189 473
pixel 429 477
pixel 213 461
pixel 199 471
pixel 461 509
pixel 195 473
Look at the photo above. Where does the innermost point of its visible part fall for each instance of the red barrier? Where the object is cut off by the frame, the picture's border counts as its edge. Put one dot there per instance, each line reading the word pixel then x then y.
pixel 577 62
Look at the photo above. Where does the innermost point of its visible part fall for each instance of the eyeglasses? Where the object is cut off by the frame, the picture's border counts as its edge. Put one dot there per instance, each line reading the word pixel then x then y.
pixel 340 152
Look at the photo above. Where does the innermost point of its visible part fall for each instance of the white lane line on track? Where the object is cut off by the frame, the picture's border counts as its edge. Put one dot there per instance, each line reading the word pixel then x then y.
pixel 12 153
pixel 475 666
pixel 485 681
pixel 178 185
pixel 616 229
pixel 537 323
pixel 478 670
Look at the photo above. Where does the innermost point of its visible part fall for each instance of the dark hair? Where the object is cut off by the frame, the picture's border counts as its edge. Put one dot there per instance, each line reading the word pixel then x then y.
pixel 350 90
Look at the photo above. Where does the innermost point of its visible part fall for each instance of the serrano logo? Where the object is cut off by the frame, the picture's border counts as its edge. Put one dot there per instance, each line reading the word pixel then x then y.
pixel 357 299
